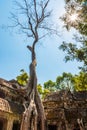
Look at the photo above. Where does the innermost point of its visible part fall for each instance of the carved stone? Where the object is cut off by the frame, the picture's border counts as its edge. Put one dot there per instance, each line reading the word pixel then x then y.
pixel 64 110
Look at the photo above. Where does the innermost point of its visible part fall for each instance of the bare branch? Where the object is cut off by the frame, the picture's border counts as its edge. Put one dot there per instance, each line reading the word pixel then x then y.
pixel 31 26
pixel 18 23
pixel 28 34
pixel 43 36
pixel 43 15
pixel 34 20
pixel 51 30
pixel 36 10
pixel 21 7
pixel 30 48
pixel 46 4
pixel 29 18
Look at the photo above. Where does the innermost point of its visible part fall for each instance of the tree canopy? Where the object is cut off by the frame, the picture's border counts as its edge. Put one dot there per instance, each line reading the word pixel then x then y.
pixel 80 82
pixel 77 9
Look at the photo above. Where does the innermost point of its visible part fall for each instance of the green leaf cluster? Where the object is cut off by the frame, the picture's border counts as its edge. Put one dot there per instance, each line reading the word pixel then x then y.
pixel 66 81
pixel 72 50
pixel 42 91
pixel 50 85
pixel 80 82
pixel 22 78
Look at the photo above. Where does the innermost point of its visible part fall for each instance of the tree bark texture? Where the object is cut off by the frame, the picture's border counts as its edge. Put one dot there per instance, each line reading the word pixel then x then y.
pixel 33 115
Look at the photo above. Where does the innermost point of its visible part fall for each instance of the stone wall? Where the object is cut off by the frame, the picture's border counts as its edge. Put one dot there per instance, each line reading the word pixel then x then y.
pixel 7 115
pixel 66 110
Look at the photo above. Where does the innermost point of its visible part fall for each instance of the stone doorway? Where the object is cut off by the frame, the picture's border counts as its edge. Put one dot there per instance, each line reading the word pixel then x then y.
pixel 16 125
pixel 76 127
pixel 1 125
pixel 52 127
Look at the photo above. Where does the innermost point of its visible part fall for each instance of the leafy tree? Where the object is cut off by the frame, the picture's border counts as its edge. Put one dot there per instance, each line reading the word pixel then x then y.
pixel 31 19
pixel 78 8
pixel 74 52
pixel 40 90
pixel 80 82
pixel 50 85
pixel 65 81
pixel 22 79
pixel 43 91
pixel 72 82
pixel 76 15
pixel 62 82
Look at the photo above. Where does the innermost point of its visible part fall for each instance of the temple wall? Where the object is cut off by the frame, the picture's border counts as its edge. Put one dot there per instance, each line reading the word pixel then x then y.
pixel 66 110
pixel 7 116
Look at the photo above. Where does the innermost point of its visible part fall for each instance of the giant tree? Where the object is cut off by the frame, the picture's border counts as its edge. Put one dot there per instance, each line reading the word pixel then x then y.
pixel 32 21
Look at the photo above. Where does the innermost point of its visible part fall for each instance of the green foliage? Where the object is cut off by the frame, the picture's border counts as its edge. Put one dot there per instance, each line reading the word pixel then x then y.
pixel 80 82
pixel 45 93
pixel 42 91
pixel 65 81
pixel 22 78
pixel 72 50
pixel 50 85
pixel 83 28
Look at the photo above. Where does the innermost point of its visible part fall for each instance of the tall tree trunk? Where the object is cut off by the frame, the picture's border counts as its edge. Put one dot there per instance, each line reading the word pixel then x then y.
pixel 40 110
pixel 34 112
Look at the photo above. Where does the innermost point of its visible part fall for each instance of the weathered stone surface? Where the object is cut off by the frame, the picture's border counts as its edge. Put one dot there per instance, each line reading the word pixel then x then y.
pixel 67 108
pixel 63 109
pixel 11 107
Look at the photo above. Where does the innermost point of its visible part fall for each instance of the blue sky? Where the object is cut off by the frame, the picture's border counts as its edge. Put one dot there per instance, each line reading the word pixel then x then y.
pixel 14 55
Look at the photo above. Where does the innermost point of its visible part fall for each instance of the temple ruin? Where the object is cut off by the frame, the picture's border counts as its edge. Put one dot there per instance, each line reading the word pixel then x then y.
pixel 64 110
pixel 11 108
